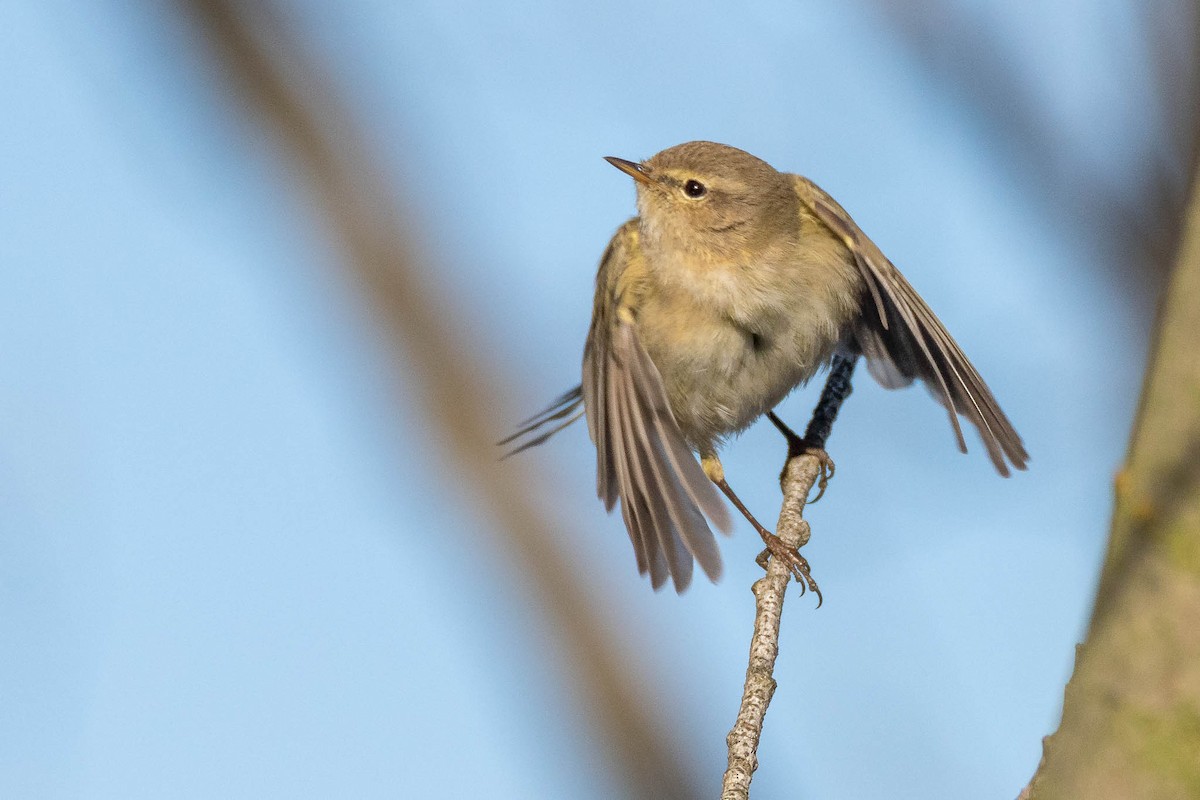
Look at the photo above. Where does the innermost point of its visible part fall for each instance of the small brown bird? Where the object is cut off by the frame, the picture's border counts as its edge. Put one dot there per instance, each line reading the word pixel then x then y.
pixel 735 284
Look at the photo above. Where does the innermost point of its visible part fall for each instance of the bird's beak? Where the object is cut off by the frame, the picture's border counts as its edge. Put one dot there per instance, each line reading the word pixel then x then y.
pixel 630 168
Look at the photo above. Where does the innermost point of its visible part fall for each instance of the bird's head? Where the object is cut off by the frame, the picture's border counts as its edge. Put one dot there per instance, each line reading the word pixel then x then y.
pixel 712 198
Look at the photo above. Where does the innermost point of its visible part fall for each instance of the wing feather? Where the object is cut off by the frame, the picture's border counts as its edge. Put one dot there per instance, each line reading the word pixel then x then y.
pixel 634 508
pixel 642 459
pixel 654 492
pixel 904 340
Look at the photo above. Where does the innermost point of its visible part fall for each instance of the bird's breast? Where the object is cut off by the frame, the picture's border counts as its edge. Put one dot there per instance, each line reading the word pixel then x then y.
pixel 730 342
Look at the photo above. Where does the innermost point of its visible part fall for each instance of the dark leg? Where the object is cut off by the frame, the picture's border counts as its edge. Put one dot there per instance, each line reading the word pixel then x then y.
pixel 837 389
pixel 796 563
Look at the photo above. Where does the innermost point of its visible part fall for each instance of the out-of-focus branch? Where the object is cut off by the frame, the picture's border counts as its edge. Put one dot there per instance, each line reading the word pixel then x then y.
pixel 1136 222
pixel 295 102
pixel 1173 42
pixel 1131 717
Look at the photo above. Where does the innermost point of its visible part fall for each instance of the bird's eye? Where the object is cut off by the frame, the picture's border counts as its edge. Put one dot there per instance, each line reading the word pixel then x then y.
pixel 695 189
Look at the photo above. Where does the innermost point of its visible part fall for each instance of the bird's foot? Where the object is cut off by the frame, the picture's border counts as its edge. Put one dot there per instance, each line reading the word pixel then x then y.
pixel 796 564
pixel 824 462
pixel 800 446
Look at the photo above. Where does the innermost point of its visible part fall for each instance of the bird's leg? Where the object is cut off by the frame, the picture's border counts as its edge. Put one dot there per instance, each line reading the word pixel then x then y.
pixel 798 446
pixel 797 564
pixel 837 389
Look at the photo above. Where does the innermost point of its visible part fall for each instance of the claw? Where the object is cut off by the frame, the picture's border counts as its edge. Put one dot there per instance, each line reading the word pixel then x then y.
pixel 828 468
pixel 797 564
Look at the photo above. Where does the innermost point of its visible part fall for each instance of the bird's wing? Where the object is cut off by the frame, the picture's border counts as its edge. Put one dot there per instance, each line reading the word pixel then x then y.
pixel 903 340
pixel 641 456
pixel 547 422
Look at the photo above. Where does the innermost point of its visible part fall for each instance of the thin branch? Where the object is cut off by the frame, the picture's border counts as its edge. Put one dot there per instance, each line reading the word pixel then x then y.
pixel 799 476
pixel 805 465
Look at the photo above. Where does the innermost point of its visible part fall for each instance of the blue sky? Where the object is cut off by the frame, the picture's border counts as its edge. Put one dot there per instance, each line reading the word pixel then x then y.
pixel 224 543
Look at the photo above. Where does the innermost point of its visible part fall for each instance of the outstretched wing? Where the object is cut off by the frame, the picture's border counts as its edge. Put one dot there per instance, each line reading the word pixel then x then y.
pixel 903 340
pixel 641 456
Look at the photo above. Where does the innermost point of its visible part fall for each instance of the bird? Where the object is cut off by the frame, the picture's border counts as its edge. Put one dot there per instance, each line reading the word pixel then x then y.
pixel 735 284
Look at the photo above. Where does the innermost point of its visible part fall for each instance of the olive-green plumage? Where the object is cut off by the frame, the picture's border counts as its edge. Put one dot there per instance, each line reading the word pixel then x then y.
pixel 735 284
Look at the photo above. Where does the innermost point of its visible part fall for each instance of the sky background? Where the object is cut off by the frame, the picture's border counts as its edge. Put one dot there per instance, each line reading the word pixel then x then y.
pixel 228 524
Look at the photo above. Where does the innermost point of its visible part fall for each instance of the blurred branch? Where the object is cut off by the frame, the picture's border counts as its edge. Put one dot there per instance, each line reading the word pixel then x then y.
pixel 294 100
pixel 1131 716
pixel 1173 31
pixel 1137 224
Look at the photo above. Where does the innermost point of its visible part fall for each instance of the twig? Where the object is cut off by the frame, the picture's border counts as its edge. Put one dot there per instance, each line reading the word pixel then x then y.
pixel 799 475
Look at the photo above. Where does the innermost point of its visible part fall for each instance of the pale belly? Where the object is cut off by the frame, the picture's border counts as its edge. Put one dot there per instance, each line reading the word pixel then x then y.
pixel 720 374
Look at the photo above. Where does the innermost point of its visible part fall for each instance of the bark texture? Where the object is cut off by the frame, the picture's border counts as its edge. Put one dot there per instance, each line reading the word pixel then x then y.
pixel 1131 715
